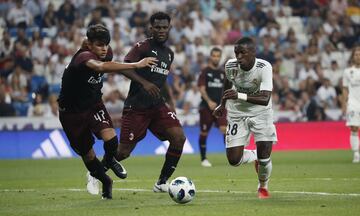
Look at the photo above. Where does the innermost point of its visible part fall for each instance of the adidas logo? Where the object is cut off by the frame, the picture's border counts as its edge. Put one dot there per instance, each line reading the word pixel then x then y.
pixel 53 147
pixel 161 150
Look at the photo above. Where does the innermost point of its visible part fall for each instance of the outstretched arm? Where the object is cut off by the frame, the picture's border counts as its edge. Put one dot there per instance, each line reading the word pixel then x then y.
pixel 125 69
pixel 111 66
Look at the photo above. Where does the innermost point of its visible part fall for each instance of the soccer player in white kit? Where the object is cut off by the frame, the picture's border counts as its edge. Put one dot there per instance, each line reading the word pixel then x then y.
pixel 249 111
pixel 351 91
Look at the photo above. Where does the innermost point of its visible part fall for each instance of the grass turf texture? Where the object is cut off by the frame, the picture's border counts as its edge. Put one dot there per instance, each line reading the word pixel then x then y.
pixel 57 187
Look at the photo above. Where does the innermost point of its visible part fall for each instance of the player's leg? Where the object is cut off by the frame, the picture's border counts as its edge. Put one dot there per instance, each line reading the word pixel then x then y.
pixel 354 142
pixel 166 126
pixel 264 168
pixel 206 120
pixel 110 147
pixel 238 155
pixel 133 129
pixel 101 125
pixel 237 137
pixel 97 171
pixel 265 136
pixel 81 140
pixel 176 138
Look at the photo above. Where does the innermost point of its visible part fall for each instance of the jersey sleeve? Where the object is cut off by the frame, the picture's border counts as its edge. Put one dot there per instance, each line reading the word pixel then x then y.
pixel 202 79
pixel 84 57
pixel 136 53
pixel 266 78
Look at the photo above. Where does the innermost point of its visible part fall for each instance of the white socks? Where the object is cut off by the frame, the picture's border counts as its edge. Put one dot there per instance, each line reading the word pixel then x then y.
pixel 265 168
pixel 354 141
pixel 248 157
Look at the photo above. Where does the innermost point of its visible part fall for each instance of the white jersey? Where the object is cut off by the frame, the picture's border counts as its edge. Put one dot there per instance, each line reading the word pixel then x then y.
pixel 351 80
pixel 258 78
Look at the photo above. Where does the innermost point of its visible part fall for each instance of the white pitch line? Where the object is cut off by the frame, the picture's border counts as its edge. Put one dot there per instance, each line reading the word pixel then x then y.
pixel 237 192
pixel 202 191
pixel 251 179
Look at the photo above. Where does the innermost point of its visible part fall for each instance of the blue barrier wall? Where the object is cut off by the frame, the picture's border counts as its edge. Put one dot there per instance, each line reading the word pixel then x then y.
pixel 54 144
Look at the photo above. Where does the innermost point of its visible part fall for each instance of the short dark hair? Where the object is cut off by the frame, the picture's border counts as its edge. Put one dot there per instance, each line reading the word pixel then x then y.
pixel 245 41
pixel 215 49
pixel 98 32
pixel 159 16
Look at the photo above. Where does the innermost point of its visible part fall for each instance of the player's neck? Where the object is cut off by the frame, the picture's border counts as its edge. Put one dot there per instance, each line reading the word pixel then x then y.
pixel 157 43
pixel 212 66
pixel 249 66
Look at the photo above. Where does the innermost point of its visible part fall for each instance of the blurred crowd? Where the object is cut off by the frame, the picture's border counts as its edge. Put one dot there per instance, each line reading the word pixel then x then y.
pixel 308 42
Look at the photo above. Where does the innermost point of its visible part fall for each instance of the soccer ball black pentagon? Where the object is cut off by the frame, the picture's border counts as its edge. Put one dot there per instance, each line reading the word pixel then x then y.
pixel 182 190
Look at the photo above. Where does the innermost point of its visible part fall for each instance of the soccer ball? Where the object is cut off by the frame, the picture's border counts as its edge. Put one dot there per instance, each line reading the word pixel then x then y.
pixel 182 190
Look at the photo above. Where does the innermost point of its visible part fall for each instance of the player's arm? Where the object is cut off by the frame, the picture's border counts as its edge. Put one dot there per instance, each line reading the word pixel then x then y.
pixel 126 70
pixel 261 98
pixel 202 88
pixel 111 67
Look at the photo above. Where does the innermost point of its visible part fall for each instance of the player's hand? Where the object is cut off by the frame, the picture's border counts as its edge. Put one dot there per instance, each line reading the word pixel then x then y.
pixel 230 94
pixel 152 89
pixel 147 62
pixel 212 105
pixel 219 111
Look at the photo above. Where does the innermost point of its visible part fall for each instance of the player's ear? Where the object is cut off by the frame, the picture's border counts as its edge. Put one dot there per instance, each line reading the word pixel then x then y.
pixel 151 30
pixel 170 26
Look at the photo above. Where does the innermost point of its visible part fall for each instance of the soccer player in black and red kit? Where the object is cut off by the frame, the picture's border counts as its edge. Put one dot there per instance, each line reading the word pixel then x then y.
pixel 142 111
pixel 211 86
pixel 82 112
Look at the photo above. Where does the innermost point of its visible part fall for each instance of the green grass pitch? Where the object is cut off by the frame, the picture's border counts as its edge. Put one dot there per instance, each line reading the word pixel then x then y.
pixel 303 183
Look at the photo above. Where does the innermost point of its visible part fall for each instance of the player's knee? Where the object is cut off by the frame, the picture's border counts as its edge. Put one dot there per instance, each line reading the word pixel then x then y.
pixel 204 133
pixel 354 129
pixel 234 161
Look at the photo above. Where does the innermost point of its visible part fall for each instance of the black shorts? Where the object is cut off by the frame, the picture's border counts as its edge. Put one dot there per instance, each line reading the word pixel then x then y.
pixel 207 119
pixel 80 127
pixel 136 122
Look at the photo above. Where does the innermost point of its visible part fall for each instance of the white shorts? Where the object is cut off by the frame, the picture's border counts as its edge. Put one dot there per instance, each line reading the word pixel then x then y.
pixel 353 118
pixel 239 130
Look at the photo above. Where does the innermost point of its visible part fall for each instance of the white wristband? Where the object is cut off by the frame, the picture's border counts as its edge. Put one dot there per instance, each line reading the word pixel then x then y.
pixel 242 96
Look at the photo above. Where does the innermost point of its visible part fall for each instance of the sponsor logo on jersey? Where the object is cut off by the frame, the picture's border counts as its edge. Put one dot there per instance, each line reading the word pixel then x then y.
pixel 155 52
pixel 160 70
pixel 215 84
